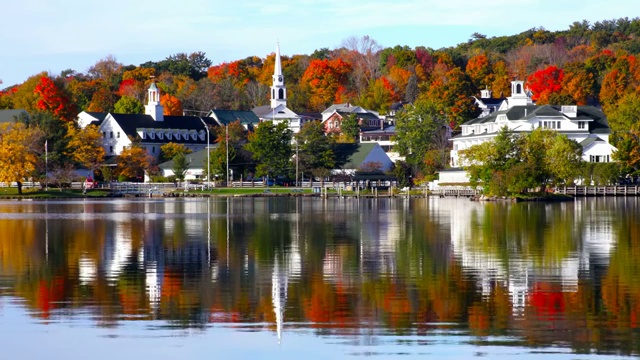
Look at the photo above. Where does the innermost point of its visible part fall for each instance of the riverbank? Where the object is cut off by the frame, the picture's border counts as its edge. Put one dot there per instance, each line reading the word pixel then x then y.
pixel 37 194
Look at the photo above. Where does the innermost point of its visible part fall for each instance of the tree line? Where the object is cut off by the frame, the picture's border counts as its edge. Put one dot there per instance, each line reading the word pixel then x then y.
pixel 587 64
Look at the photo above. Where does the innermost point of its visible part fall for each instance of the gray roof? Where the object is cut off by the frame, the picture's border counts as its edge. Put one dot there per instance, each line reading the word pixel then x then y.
pixel 263 110
pixel 12 115
pixel 346 107
pixel 597 120
pixel 196 160
pixel 590 140
pixel 388 130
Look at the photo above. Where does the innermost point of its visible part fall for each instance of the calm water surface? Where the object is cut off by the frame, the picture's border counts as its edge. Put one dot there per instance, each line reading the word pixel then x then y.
pixel 274 278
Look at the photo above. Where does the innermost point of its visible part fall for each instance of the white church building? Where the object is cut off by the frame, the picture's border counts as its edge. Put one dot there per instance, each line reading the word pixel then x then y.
pixel 277 111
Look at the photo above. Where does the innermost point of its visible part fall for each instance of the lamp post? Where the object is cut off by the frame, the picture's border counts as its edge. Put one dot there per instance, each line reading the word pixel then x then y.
pixel 208 154
pixel 227 145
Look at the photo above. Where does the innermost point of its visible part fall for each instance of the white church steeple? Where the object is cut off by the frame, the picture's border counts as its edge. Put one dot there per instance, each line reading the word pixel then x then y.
pixel 278 90
pixel 153 107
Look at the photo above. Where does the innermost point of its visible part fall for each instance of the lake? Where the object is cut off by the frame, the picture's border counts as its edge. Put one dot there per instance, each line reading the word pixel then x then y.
pixel 290 278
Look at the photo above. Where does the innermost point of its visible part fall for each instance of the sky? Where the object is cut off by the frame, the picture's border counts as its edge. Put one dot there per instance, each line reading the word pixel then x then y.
pixel 55 35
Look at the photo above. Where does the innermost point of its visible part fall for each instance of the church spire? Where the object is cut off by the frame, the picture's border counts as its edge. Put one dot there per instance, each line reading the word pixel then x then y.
pixel 278 90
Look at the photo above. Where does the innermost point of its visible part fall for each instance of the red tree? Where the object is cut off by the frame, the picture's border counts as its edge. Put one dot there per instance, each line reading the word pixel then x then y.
pixel 545 82
pixel 53 100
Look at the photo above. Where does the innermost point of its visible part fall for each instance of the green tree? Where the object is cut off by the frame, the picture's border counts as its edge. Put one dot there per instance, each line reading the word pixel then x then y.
pixel 350 129
pixel 625 127
pixel 419 129
pixel 314 149
pixel 488 161
pixel 180 165
pixel 511 164
pixel 128 105
pixel 271 148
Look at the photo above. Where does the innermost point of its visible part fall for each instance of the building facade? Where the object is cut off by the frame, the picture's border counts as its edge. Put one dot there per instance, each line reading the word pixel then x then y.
pixel 586 125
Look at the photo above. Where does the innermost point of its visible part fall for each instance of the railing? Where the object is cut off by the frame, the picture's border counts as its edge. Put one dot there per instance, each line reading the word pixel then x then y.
pixel 456 191
pixel 326 184
pixel 124 188
pixel 599 190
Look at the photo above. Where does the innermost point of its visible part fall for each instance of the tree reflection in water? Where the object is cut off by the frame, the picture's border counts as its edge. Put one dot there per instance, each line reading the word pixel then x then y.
pixel 562 274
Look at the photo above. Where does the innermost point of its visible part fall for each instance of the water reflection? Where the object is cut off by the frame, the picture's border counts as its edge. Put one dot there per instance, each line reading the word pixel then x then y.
pixel 504 274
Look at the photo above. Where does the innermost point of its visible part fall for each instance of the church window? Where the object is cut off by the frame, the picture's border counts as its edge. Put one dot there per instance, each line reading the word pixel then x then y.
pixel 518 89
pixel 281 94
pixel 111 134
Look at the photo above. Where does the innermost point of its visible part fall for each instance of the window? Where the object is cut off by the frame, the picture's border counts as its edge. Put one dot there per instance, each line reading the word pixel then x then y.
pixel 111 134
pixel 118 134
pixel 104 134
pixel 110 149
pixel 558 125
pixel 153 149
pixel 581 124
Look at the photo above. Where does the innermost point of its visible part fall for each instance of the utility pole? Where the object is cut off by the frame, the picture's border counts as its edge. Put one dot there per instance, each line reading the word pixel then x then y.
pixel 208 154
pixel 227 143
pixel 297 157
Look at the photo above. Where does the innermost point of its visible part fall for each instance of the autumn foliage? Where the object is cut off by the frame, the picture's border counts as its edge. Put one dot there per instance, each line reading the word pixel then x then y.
pixel 53 100
pixel 544 83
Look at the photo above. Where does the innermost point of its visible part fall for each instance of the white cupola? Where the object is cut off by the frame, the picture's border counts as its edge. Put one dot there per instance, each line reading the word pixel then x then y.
pixel 519 95
pixel 153 107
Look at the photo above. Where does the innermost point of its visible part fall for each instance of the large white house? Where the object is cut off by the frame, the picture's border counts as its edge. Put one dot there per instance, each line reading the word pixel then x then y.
pixel 151 129
pixel 586 125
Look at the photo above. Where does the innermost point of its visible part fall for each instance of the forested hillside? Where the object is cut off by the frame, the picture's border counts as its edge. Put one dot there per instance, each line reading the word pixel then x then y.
pixel 585 64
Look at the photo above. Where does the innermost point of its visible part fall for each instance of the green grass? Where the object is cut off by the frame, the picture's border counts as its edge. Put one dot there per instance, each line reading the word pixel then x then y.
pixel 52 193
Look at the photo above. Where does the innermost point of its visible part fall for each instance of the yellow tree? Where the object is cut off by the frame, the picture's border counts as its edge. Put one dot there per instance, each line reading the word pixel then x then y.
pixel 133 162
pixel 85 146
pixel 171 149
pixel 18 152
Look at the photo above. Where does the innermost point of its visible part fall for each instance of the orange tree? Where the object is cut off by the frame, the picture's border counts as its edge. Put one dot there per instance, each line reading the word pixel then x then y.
pixel 133 162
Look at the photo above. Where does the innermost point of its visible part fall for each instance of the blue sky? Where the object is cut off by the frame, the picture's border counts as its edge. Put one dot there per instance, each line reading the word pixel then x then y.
pixel 54 35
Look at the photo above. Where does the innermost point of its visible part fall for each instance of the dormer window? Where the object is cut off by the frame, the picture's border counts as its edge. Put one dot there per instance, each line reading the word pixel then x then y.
pixel 185 136
pixel 168 136
pixel 160 136
pixel 152 135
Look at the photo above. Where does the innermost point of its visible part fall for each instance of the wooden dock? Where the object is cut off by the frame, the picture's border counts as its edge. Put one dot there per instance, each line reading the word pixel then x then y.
pixel 599 190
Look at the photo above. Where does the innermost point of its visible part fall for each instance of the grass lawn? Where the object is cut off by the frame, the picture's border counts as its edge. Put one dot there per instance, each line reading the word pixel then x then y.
pixel 52 193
